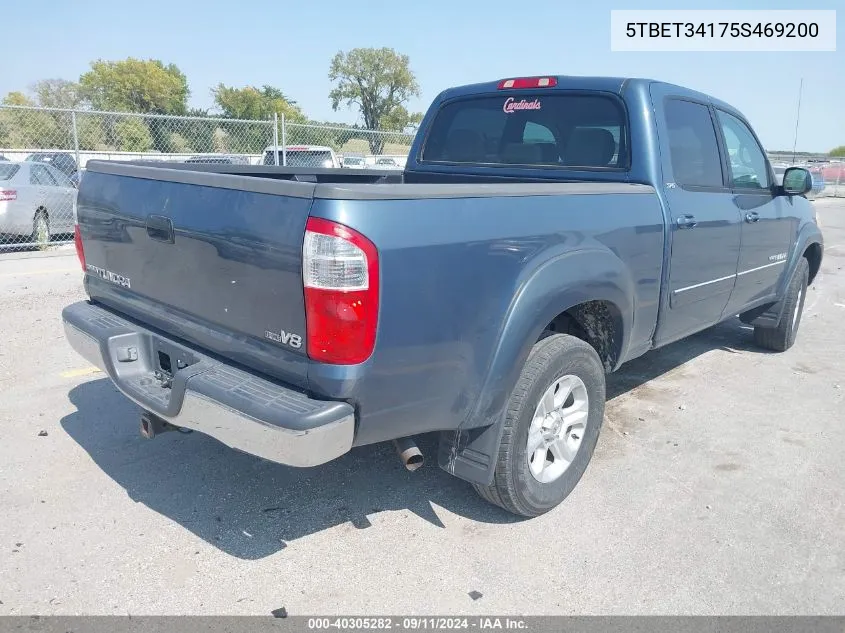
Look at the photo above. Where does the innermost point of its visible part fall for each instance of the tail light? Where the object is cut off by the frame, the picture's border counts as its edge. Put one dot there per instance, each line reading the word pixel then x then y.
pixel 527 82
pixel 77 241
pixel 8 195
pixel 340 277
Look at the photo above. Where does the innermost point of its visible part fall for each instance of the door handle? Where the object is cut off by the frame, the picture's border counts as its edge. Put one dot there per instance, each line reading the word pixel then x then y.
pixel 752 216
pixel 686 222
pixel 160 228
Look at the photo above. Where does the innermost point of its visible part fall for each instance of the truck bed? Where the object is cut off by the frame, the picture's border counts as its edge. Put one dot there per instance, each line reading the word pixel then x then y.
pixel 228 279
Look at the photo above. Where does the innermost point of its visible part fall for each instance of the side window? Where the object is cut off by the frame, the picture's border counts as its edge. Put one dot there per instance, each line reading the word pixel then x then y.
pixel 747 161
pixel 693 148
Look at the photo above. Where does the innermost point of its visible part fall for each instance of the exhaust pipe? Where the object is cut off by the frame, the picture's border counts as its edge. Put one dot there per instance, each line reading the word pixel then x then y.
pixel 409 453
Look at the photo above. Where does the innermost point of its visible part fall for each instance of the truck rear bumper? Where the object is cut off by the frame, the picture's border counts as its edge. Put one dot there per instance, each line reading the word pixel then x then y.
pixel 238 408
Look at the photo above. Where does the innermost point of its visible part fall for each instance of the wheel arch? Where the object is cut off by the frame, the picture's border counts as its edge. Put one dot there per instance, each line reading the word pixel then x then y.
pixel 813 254
pixel 589 288
pixel 809 246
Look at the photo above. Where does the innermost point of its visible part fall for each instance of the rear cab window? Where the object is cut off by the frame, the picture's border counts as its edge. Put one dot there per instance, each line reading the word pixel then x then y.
pixel 572 131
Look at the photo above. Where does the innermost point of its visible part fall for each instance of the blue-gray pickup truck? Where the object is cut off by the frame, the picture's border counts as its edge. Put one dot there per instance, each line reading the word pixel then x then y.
pixel 544 231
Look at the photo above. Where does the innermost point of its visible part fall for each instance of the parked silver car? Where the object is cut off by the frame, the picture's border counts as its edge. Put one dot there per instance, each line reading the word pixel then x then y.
pixel 37 201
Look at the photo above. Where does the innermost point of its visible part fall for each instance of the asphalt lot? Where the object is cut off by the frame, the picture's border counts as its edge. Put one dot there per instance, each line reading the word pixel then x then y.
pixel 717 487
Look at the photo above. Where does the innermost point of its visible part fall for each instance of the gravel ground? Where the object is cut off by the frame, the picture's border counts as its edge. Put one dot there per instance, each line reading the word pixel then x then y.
pixel 717 487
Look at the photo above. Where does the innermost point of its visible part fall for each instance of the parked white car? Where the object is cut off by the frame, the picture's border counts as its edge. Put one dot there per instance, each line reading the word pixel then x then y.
pixel 302 156
pixel 384 161
pixel 37 201
pixel 354 161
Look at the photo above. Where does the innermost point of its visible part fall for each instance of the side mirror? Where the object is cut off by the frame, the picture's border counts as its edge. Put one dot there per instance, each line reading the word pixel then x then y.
pixel 797 181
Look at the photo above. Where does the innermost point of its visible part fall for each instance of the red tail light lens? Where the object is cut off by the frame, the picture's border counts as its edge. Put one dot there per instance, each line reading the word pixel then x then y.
pixel 340 277
pixel 8 195
pixel 77 241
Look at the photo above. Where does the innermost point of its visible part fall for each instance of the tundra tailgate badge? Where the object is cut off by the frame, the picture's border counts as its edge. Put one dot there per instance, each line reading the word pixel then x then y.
pixel 108 275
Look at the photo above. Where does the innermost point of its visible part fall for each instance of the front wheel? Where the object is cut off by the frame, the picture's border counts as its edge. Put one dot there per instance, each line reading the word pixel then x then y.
pixel 782 337
pixel 551 427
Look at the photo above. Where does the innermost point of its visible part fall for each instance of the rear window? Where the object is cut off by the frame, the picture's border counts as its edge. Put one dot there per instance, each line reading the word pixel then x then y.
pixel 7 171
pixel 60 177
pixel 302 158
pixel 549 130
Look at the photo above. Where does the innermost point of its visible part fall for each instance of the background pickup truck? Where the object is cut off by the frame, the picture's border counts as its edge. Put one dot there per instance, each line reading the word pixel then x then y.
pixel 545 231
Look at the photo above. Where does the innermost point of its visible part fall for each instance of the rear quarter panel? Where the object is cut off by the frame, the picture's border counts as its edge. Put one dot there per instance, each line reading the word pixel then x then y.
pixel 452 270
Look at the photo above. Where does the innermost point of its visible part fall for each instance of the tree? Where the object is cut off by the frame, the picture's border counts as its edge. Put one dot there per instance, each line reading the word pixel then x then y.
pixel 57 93
pixel 838 151
pixel 379 82
pixel 133 135
pixel 17 99
pixel 399 120
pixel 63 95
pixel 254 104
pixel 135 85
pixel 90 131
pixel 30 129
pixel 313 133
pixel 199 134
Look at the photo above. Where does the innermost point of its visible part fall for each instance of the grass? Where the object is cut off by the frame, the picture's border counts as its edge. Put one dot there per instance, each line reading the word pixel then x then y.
pixel 360 146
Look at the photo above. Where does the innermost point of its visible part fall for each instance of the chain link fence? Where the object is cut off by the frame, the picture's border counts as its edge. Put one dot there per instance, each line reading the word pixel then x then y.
pixel 43 153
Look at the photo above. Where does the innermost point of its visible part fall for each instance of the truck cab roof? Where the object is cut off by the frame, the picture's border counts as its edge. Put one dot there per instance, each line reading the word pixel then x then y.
pixel 553 127
pixel 616 85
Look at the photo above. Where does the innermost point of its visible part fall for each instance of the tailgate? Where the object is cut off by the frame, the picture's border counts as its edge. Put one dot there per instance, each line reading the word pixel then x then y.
pixel 211 258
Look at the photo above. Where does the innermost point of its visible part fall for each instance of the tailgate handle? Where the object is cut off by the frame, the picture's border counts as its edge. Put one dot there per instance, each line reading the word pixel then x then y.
pixel 160 227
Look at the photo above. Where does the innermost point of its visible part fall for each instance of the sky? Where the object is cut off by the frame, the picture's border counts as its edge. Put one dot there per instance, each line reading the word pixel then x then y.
pixel 290 45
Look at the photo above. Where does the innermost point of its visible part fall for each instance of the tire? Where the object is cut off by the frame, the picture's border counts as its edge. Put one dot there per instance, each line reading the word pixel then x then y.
pixel 782 337
pixel 41 229
pixel 515 487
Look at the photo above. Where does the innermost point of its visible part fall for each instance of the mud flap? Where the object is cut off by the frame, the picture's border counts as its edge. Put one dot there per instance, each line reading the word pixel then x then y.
pixel 470 454
pixel 765 316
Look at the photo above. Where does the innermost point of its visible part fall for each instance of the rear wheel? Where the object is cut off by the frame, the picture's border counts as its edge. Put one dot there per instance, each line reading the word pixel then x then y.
pixel 41 229
pixel 551 428
pixel 782 337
